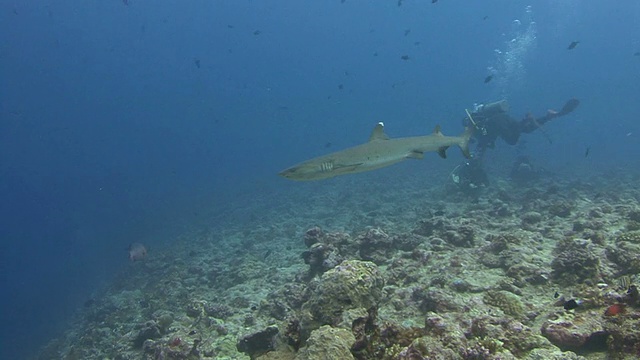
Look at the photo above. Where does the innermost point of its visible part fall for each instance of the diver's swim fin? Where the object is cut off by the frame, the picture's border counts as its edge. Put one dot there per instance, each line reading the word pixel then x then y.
pixel 569 106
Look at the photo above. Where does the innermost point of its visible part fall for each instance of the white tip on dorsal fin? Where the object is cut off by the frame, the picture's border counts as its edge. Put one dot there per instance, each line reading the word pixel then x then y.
pixel 378 133
pixel 437 131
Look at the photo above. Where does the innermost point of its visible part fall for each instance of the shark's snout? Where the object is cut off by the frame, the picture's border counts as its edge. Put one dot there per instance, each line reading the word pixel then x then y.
pixel 289 173
pixel 303 172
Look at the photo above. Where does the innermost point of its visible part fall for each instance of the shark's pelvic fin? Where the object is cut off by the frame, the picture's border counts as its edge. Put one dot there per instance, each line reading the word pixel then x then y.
pixel 415 155
pixel 443 151
pixel 378 133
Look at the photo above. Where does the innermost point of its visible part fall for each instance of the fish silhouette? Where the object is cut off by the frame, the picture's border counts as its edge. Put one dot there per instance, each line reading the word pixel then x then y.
pixel 137 252
pixel 573 45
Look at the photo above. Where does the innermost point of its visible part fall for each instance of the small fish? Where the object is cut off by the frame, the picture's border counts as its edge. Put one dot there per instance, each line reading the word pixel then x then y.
pixel 137 252
pixel 197 62
pixel 327 145
pixel 573 45
pixel 434 1
pixel 556 295
pixel 586 152
pixel 342 1
pixel 488 78
pixel 406 32
pixel 416 43
pixel 571 304
pixel 340 87
pixel 485 17
pixel 125 2
pixel 266 254
pixel 615 309
pixel 399 3
pixel 257 32
pixel 375 53
pixel 230 26
pixel 404 57
pixel 637 53
pixel 624 282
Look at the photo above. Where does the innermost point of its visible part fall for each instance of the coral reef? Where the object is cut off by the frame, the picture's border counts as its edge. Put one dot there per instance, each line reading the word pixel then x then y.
pixel 508 303
pixel 546 270
pixel 575 262
pixel 327 343
pixel 350 285
pixel 375 246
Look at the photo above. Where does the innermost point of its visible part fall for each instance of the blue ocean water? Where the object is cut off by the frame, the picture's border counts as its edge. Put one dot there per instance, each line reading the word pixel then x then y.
pixel 125 122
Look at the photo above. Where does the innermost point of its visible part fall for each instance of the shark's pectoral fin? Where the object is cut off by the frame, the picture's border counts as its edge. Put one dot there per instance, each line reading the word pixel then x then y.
pixel 442 152
pixel 415 155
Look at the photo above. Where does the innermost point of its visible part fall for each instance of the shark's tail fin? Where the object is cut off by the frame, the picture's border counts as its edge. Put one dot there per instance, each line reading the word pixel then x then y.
pixel 464 142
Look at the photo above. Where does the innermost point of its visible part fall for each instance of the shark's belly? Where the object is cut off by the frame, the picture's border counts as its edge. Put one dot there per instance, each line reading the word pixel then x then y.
pixel 358 164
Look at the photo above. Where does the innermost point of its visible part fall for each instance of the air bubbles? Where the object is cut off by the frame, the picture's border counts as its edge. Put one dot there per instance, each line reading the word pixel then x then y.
pixel 509 68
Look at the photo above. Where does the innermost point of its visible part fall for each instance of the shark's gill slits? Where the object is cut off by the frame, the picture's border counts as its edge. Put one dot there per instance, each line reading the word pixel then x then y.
pixel 326 166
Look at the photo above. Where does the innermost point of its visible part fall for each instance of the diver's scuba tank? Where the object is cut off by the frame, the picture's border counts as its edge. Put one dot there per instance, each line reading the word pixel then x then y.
pixel 484 112
pixel 493 108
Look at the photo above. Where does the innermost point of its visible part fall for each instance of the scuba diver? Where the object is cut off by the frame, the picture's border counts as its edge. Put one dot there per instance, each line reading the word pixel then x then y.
pixel 490 122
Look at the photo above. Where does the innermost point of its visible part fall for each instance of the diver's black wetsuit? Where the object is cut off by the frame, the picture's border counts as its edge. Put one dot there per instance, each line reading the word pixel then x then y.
pixel 490 122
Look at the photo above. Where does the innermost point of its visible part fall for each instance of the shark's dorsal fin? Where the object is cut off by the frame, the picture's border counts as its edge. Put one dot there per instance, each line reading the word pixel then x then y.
pixel 437 131
pixel 378 133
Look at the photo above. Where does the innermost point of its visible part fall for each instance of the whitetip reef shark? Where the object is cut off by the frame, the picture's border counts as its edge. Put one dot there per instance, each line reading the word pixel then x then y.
pixel 378 152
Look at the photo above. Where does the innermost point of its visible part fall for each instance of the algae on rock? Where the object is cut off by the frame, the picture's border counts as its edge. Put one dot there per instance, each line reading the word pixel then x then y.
pixel 327 343
pixel 352 284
